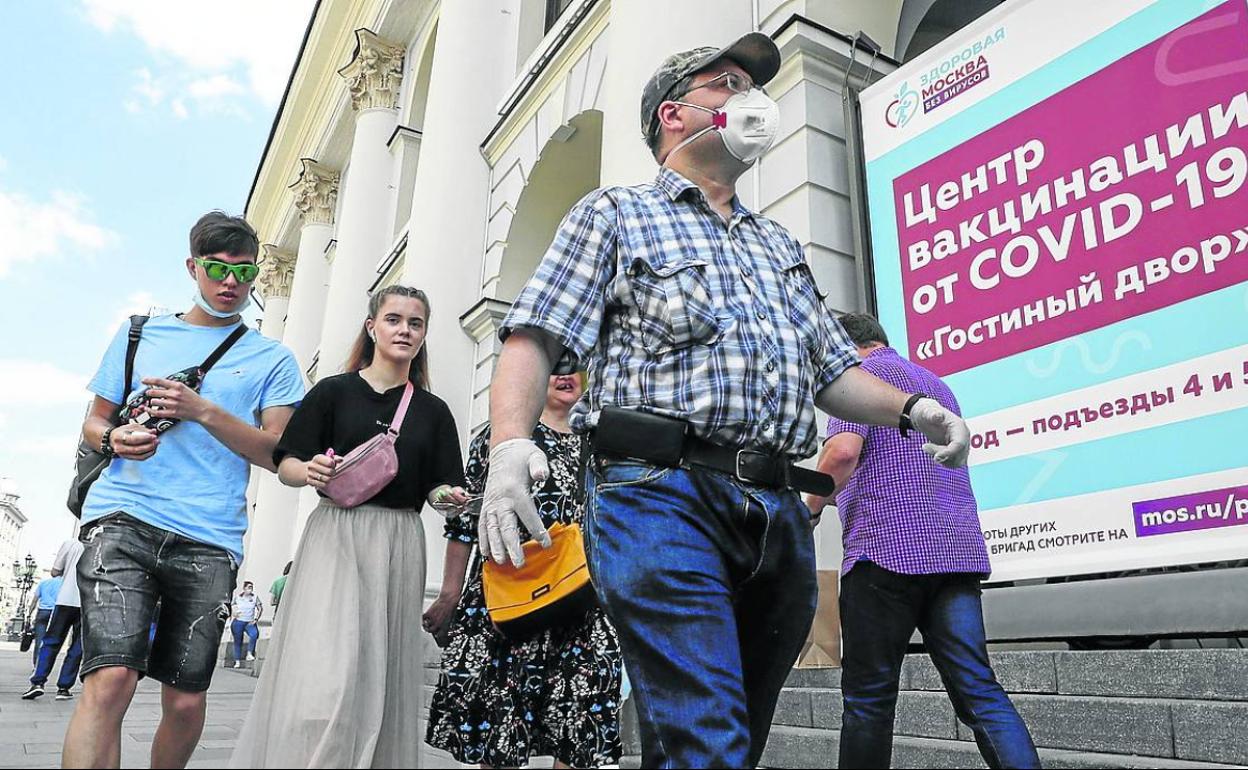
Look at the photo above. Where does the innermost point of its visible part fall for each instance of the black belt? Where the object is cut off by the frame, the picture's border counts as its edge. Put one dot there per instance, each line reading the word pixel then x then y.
pixel 669 442
pixel 745 465
pixel 757 468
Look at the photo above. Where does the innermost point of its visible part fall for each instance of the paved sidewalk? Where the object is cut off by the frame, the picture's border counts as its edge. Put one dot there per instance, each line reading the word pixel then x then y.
pixel 31 732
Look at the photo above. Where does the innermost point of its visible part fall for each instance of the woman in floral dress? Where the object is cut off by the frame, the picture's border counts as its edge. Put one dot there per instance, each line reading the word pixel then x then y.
pixel 498 703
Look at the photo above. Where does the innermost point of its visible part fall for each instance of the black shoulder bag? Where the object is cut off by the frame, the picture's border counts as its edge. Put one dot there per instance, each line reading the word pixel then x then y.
pixel 89 461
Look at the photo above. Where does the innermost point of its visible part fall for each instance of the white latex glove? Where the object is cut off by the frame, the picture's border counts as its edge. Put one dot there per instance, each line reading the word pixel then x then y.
pixel 949 438
pixel 514 467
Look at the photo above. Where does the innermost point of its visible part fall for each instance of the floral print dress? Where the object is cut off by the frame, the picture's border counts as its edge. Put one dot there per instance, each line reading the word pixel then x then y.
pixel 500 702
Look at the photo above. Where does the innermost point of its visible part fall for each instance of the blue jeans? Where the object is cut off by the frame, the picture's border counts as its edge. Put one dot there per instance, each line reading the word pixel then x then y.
pixel 41 627
pixel 880 611
pixel 65 620
pixel 710 584
pixel 238 627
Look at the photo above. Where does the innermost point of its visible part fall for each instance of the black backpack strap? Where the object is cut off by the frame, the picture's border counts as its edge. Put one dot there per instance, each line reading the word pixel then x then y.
pixel 132 347
pixel 212 359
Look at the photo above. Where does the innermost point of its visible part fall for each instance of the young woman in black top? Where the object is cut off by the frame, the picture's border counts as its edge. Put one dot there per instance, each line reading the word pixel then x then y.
pixel 342 682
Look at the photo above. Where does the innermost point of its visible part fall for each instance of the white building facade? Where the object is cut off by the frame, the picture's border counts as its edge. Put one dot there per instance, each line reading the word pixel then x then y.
pixel 439 145
pixel 11 522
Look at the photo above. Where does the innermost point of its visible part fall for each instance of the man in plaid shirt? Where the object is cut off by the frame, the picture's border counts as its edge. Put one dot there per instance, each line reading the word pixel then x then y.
pixel 683 304
pixel 914 558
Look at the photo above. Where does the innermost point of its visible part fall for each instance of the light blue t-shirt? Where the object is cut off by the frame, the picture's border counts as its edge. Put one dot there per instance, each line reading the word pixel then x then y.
pixel 194 485
pixel 47 590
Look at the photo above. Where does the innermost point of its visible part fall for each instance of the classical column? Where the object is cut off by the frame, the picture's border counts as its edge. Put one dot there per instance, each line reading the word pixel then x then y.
pixel 316 198
pixel 638 46
pixel 268 536
pixel 448 215
pixel 277 268
pixel 365 219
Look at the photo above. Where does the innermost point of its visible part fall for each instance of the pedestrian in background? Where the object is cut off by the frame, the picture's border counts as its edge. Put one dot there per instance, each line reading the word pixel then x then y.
pixel 247 611
pixel 279 585
pixel 914 559
pixel 64 624
pixel 40 612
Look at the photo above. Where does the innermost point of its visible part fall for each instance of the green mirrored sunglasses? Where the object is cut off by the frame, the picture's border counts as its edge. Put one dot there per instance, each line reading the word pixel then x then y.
pixel 244 272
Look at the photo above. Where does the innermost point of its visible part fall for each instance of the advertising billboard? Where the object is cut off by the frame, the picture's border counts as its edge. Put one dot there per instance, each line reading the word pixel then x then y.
pixel 1059 228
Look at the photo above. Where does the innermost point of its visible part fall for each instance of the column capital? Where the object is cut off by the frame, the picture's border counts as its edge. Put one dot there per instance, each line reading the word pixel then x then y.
pixel 276 271
pixel 375 71
pixel 316 192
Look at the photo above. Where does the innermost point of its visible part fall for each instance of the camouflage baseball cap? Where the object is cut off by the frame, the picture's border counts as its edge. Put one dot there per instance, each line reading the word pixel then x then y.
pixel 755 53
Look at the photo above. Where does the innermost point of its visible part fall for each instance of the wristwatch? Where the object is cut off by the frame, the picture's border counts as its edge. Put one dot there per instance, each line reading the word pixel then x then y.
pixel 106 444
pixel 904 425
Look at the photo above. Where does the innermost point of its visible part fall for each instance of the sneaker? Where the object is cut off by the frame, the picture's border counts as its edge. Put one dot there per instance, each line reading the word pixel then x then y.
pixel 63 693
pixel 34 692
pixel 238 664
pixel 251 656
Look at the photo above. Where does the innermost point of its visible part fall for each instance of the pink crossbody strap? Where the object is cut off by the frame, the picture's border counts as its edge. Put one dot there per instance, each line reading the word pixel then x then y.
pixel 397 423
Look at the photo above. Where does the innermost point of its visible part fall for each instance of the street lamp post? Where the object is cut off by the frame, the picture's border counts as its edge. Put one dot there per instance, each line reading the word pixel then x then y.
pixel 23 581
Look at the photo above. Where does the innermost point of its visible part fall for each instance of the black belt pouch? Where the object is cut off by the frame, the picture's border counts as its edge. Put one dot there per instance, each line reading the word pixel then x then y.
pixel 641 436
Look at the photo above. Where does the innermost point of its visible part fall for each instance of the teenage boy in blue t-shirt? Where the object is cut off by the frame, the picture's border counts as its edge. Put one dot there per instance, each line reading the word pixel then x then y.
pixel 165 521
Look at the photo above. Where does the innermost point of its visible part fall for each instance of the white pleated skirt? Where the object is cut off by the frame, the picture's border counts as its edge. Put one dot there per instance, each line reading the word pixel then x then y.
pixel 342 680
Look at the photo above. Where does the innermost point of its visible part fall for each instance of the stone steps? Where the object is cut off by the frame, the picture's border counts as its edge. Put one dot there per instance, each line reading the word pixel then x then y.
pixel 812 747
pixel 1145 708
pixel 1191 730
pixel 1116 709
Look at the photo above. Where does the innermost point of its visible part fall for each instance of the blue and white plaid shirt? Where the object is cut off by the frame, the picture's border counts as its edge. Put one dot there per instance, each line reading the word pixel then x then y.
pixel 674 313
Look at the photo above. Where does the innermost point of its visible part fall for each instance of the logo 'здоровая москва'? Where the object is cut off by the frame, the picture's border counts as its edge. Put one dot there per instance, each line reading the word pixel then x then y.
pixel 953 76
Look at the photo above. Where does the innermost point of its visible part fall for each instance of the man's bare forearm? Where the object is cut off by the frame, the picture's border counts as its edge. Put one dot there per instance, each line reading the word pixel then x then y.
pixel 518 390
pixel 861 397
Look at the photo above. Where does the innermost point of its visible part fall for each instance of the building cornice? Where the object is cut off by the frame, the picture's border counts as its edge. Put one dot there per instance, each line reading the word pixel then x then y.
pixel 315 97
pixel 546 69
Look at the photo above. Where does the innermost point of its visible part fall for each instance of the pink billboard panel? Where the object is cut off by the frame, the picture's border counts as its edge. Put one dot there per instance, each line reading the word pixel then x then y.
pixel 1116 196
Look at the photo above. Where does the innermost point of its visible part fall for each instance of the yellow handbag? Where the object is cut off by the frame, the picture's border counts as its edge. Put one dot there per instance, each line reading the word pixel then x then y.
pixel 550 590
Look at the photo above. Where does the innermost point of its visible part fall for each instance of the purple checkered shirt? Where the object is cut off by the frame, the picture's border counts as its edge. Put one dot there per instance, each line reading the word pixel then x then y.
pixel 899 509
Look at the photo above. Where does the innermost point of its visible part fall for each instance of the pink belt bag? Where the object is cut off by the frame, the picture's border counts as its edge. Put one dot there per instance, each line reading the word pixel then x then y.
pixel 368 468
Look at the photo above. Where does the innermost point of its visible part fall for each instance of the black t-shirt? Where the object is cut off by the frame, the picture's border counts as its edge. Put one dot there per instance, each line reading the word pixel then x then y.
pixel 344 411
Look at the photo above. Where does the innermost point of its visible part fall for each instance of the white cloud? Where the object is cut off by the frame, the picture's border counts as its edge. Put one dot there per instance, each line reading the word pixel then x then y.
pixel 256 41
pixel 35 229
pixel 212 95
pixel 29 383
pixel 214 87
pixel 147 86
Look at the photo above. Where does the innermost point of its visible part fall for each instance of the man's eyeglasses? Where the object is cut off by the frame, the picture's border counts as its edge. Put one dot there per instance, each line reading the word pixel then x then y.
pixel 244 272
pixel 738 84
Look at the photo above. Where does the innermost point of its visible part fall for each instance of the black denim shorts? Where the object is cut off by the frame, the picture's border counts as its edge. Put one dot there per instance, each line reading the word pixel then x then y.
pixel 127 566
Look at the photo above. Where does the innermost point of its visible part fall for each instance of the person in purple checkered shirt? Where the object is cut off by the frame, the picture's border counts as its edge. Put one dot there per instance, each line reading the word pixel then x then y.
pixel 914 558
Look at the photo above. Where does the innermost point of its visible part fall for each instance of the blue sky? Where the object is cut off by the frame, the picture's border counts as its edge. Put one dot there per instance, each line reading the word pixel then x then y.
pixel 124 120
